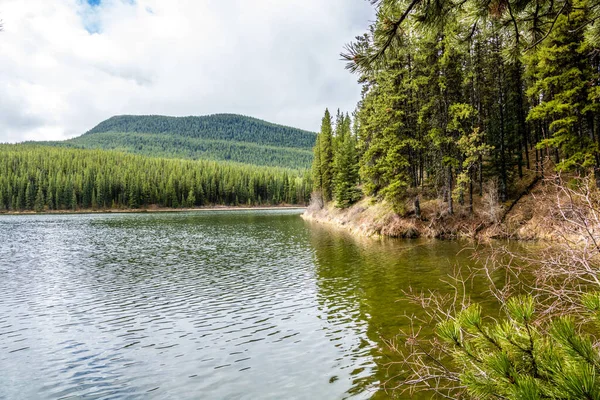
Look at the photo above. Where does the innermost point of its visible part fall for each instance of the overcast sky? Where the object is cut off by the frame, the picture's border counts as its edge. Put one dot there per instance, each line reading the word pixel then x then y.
pixel 66 65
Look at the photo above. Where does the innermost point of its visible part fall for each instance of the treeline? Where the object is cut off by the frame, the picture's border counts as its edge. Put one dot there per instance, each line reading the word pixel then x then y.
pixel 457 93
pixel 39 178
pixel 229 127
pixel 177 146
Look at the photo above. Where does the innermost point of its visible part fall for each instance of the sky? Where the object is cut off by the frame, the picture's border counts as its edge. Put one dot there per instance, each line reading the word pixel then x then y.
pixel 66 65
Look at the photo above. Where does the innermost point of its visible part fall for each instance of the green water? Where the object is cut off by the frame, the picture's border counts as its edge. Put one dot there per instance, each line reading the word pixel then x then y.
pixel 216 305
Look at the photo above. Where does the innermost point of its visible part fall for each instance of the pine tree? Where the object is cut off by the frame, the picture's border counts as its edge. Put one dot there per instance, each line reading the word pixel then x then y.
pixel 100 192
pixel 73 201
pixel 3 206
pixel 39 200
pixel 316 166
pixel 133 195
pixel 346 167
pixel 63 175
pixel 50 195
pixel 326 156
pixel 520 357
pixel 338 135
pixel 200 197
pixel 191 198
pixel 388 133
pixel 29 196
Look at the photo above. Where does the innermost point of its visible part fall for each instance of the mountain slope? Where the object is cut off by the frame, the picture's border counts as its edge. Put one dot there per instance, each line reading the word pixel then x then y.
pixel 227 137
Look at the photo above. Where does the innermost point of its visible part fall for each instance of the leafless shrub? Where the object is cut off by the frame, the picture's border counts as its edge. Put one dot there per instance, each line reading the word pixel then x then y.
pixel 316 202
pixel 492 209
pixel 354 211
pixel 560 271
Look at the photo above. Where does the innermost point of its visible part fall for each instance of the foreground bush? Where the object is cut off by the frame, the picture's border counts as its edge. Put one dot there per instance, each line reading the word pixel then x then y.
pixel 543 342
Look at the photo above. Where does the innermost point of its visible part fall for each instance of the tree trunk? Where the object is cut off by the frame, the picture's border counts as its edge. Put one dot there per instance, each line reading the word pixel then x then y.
pixel 417 208
pixel 449 190
pixel 470 191
pixel 480 176
pixel 501 101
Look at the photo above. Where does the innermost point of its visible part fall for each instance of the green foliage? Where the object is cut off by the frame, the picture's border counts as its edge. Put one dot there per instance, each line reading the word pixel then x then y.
pixel 316 166
pixel 335 165
pixel 388 135
pixel 345 165
pixel 176 146
pixel 326 156
pixel 452 99
pixel 39 200
pixel 224 137
pixel 472 148
pixel 34 177
pixel 561 74
pixel 231 127
pixel 521 357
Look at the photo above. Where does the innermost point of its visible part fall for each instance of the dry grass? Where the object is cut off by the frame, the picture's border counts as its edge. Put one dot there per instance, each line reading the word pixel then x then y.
pixel 526 220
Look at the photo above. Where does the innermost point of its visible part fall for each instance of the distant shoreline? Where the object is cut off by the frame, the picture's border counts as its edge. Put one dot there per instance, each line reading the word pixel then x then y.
pixel 154 210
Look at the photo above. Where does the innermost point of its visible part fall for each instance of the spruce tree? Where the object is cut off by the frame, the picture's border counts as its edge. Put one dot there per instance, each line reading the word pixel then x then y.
pixel 326 156
pixel 316 166
pixel 562 75
pixel 39 200
pixel 338 136
pixel 29 196
pixel 73 201
pixel 346 167
pixel 388 133
pixel 191 199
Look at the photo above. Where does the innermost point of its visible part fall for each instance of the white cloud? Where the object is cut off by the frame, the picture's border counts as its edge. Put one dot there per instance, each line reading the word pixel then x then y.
pixel 66 65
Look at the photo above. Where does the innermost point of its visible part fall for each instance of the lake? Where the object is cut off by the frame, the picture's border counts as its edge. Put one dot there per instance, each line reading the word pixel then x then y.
pixel 208 304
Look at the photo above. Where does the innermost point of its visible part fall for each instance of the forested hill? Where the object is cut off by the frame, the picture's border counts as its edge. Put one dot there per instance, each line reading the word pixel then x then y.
pixel 237 128
pixel 215 137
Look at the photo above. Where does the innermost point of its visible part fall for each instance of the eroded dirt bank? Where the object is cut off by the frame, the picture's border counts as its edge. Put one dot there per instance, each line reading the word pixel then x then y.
pixel 528 217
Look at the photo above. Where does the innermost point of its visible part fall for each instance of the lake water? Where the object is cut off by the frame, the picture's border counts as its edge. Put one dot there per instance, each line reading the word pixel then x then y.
pixel 212 305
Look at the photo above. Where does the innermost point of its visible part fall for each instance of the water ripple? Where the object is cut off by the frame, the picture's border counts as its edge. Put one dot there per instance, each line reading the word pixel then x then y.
pixel 178 306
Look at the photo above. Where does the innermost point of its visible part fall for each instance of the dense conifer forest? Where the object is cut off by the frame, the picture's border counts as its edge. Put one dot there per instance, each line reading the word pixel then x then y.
pixel 456 94
pixel 175 146
pixel 225 137
pixel 40 178
pixel 218 127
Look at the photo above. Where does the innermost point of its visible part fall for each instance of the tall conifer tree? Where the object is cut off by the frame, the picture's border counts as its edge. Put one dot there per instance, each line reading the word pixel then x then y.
pixel 346 167
pixel 326 156
pixel 316 166
pixel 562 75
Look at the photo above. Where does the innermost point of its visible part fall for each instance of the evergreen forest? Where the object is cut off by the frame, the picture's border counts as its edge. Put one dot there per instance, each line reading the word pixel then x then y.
pixel 456 94
pixel 41 178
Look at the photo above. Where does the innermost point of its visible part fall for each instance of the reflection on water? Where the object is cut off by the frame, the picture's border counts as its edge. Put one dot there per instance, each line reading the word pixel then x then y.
pixel 245 304
pixel 361 283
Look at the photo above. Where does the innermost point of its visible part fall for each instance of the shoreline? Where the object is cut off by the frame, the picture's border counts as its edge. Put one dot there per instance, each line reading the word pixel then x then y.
pixel 528 217
pixel 154 210
pixel 376 222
